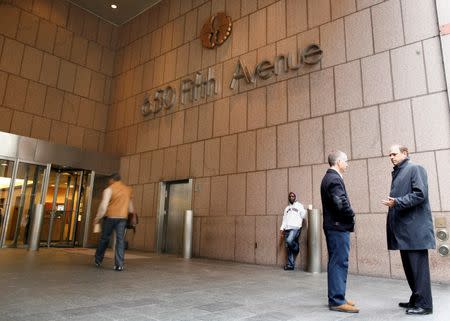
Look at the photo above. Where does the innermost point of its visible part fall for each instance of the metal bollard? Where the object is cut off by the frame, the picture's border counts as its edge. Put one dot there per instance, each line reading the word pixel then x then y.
pixel 36 227
pixel 187 236
pixel 314 241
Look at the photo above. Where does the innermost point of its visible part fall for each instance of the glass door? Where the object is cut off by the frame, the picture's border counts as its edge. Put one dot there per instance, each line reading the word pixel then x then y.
pixel 6 174
pixel 64 208
pixel 24 192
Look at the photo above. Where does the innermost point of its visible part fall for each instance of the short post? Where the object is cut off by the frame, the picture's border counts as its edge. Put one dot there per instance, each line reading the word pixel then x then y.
pixel 187 236
pixel 314 241
pixel 36 224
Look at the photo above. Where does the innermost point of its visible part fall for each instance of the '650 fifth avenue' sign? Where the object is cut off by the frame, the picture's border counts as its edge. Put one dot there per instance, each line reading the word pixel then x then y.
pixel 201 86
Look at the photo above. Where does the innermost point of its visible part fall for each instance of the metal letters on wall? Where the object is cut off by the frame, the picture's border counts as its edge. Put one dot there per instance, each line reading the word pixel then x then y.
pixel 311 55
pixel 191 90
pixel 201 86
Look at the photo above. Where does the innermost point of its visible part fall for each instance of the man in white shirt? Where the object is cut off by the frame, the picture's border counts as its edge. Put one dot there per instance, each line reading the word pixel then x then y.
pixel 291 228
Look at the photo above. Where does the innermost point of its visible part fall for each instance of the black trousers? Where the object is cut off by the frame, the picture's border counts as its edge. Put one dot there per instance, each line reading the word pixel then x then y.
pixel 417 271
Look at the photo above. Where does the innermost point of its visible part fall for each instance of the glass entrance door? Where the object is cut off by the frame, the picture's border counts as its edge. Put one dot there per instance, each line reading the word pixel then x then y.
pixel 20 192
pixel 6 174
pixel 64 208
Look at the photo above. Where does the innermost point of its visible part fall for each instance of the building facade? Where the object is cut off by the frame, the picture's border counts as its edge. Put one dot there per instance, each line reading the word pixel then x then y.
pixel 69 77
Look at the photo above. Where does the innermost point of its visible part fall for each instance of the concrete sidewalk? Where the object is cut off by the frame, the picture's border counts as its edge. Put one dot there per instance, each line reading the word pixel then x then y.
pixel 59 284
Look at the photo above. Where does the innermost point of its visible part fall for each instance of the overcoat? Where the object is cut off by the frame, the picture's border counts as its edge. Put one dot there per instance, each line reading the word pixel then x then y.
pixel 409 223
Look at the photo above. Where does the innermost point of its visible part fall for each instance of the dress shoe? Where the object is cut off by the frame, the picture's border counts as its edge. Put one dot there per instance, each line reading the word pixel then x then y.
pixel 344 308
pixel 419 311
pixel 288 268
pixel 350 302
pixel 406 305
pixel 118 268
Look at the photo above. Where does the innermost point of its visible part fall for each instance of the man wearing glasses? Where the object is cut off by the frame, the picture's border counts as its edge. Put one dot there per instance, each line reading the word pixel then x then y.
pixel 409 227
pixel 338 222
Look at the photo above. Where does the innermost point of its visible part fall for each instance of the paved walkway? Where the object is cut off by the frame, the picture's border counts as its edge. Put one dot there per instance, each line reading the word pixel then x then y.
pixel 59 284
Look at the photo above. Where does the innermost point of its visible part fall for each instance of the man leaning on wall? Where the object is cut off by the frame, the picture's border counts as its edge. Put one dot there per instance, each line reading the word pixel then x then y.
pixel 291 228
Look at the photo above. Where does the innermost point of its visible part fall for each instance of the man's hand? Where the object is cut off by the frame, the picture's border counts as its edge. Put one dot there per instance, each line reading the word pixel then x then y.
pixel 390 202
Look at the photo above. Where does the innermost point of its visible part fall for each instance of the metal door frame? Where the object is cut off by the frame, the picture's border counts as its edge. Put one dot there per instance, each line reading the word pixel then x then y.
pixel 8 200
pixel 88 193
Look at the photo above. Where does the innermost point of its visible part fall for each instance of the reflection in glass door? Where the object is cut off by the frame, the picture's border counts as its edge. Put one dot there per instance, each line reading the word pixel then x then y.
pixel 6 173
pixel 24 192
pixel 64 209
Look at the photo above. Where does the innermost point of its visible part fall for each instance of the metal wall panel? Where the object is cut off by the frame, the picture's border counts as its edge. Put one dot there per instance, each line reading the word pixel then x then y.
pixel 34 150
pixel 8 145
pixel 27 148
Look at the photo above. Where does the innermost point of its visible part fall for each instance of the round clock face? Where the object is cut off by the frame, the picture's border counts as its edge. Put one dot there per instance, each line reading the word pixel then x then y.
pixel 216 30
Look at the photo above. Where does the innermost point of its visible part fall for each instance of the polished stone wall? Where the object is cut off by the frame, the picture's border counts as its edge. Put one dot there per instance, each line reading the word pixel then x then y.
pixel 380 81
pixel 56 64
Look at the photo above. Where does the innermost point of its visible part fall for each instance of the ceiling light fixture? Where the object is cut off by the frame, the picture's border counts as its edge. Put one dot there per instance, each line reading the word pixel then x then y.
pixel 114 6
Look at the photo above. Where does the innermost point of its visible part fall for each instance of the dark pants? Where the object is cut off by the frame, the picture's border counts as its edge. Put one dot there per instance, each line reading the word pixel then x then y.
pixel 417 271
pixel 338 245
pixel 109 225
pixel 291 241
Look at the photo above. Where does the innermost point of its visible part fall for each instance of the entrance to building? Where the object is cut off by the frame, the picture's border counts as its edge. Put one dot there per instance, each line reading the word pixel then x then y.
pixel 21 189
pixel 175 200
pixel 47 191
pixel 64 208
pixel 60 191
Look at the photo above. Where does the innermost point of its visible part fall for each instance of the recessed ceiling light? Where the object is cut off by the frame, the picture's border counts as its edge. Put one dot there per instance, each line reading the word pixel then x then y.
pixel 114 6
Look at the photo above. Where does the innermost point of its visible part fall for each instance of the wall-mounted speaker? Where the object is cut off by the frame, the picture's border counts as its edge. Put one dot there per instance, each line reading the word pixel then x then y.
pixel 442 234
pixel 443 250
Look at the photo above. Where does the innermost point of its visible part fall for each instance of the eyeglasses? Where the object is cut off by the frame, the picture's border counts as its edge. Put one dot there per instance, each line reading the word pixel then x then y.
pixel 393 154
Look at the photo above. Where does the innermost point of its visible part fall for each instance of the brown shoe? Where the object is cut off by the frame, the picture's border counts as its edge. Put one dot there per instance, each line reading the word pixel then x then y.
pixel 345 308
pixel 350 302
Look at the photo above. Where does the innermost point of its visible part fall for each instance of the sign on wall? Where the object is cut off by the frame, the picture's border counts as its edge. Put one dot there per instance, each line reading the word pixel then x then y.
pixel 214 32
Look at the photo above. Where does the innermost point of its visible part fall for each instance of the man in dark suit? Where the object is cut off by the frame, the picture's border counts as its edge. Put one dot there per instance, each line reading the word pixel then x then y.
pixel 409 227
pixel 338 222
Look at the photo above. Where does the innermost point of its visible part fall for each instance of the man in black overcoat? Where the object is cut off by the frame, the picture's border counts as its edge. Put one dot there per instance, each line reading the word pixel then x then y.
pixel 409 227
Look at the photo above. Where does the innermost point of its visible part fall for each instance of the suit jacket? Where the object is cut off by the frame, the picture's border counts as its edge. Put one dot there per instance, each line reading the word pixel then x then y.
pixel 409 223
pixel 337 211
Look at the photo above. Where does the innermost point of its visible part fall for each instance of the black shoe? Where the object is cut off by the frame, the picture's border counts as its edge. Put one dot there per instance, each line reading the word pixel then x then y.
pixel 406 305
pixel 419 311
pixel 288 268
pixel 118 268
pixel 98 264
